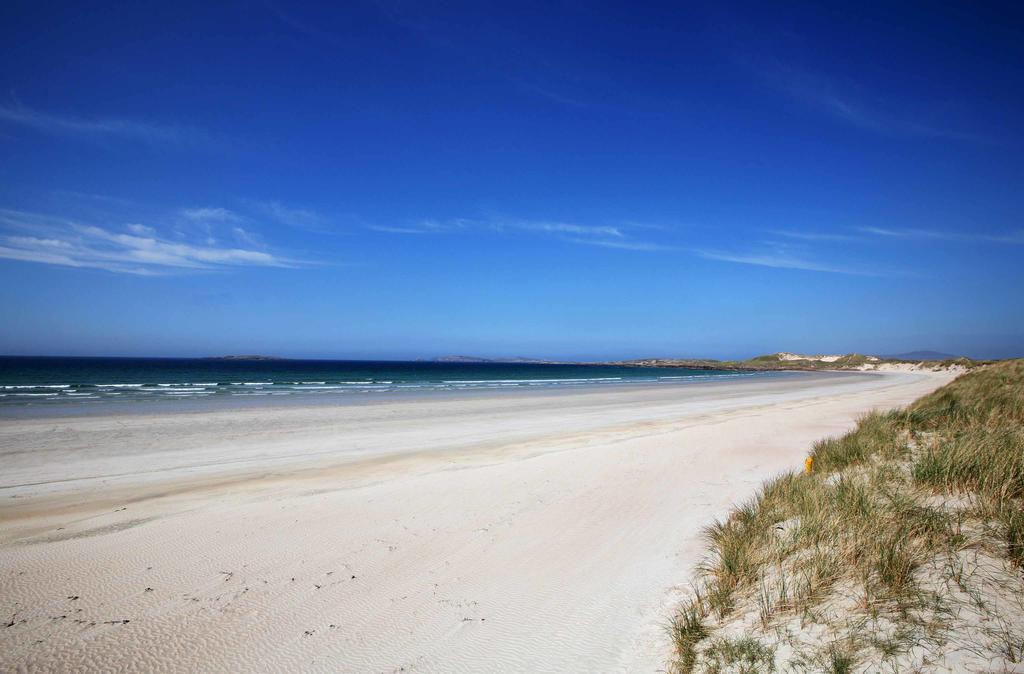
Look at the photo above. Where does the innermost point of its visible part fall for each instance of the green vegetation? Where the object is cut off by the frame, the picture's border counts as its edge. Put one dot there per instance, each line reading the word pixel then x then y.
pixel 743 655
pixel 902 545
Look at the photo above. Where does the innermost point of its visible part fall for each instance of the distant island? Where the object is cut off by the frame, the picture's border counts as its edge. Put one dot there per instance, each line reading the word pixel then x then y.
pixel 244 357
pixel 923 355
pixel 476 359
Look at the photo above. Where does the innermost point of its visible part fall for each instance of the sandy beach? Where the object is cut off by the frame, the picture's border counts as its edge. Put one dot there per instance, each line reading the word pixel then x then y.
pixel 541 532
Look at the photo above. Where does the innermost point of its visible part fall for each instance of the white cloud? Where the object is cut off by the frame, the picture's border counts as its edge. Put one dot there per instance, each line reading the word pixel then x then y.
pixel 247 237
pixel 211 215
pixel 569 228
pixel 302 218
pixel 101 128
pixel 778 260
pixel 1015 237
pixel 138 249
pixel 812 236
pixel 606 236
pixel 621 244
pixel 872 234
pixel 390 229
pixel 423 227
pixel 141 230
pixel 908 233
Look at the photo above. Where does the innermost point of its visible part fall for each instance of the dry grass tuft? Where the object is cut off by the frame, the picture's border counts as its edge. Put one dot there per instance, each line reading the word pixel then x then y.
pixel 873 542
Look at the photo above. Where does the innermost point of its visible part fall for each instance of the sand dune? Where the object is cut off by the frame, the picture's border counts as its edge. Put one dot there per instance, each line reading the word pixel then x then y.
pixel 490 533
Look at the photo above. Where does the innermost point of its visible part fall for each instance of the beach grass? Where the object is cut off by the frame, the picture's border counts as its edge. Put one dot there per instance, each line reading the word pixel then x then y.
pixel 900 547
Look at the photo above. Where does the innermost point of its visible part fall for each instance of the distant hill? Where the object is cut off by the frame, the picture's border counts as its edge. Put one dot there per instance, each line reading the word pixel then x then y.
pixel 245 357
pixel 922 355
pixel 460 359
pixel 476 359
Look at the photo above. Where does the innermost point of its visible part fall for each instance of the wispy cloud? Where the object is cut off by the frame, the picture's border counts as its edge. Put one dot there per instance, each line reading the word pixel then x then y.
pixel 808 250
pixel 141 230
pixel 211 215
pixel 813 235
pixel 848 103
pixel 622 236
pixel 1012 237
pixel 131 249
pixel 527 65
pixel 587 231
pixel 247 237
pixel 780 260
pixel 424 227
pixel 552 94
pixel 102 128
pixel 606 236
pixel 1016 237
pixel 300 218
pixel 621 244
pixel 295 23
pixel 105 199
pixel 873 234
pixel 914 233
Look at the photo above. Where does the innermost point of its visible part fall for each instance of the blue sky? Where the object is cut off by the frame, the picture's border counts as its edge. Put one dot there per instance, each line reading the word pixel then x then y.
pixel 578 180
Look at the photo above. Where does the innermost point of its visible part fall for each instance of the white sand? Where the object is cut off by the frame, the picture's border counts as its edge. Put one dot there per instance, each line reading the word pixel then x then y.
pixel 494 533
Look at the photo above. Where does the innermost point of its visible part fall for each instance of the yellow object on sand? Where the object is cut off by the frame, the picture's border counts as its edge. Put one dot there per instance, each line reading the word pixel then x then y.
pixel 808 464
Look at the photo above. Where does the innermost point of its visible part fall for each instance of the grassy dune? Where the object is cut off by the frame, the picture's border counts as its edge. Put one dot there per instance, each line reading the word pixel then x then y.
pixel 901 550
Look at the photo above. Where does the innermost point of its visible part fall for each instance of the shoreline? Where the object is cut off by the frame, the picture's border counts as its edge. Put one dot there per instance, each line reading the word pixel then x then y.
pixel 224 403
pixel 191 444
pixel 533 532
pixel 58 387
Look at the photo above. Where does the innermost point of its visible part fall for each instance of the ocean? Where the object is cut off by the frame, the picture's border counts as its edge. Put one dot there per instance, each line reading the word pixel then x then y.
pixel 81 383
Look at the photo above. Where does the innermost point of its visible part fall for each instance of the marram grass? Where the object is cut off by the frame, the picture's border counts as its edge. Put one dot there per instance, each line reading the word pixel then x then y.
pixel 862 528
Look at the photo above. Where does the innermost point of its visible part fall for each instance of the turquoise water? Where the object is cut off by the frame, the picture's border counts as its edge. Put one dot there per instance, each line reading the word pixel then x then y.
pixel 83 382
